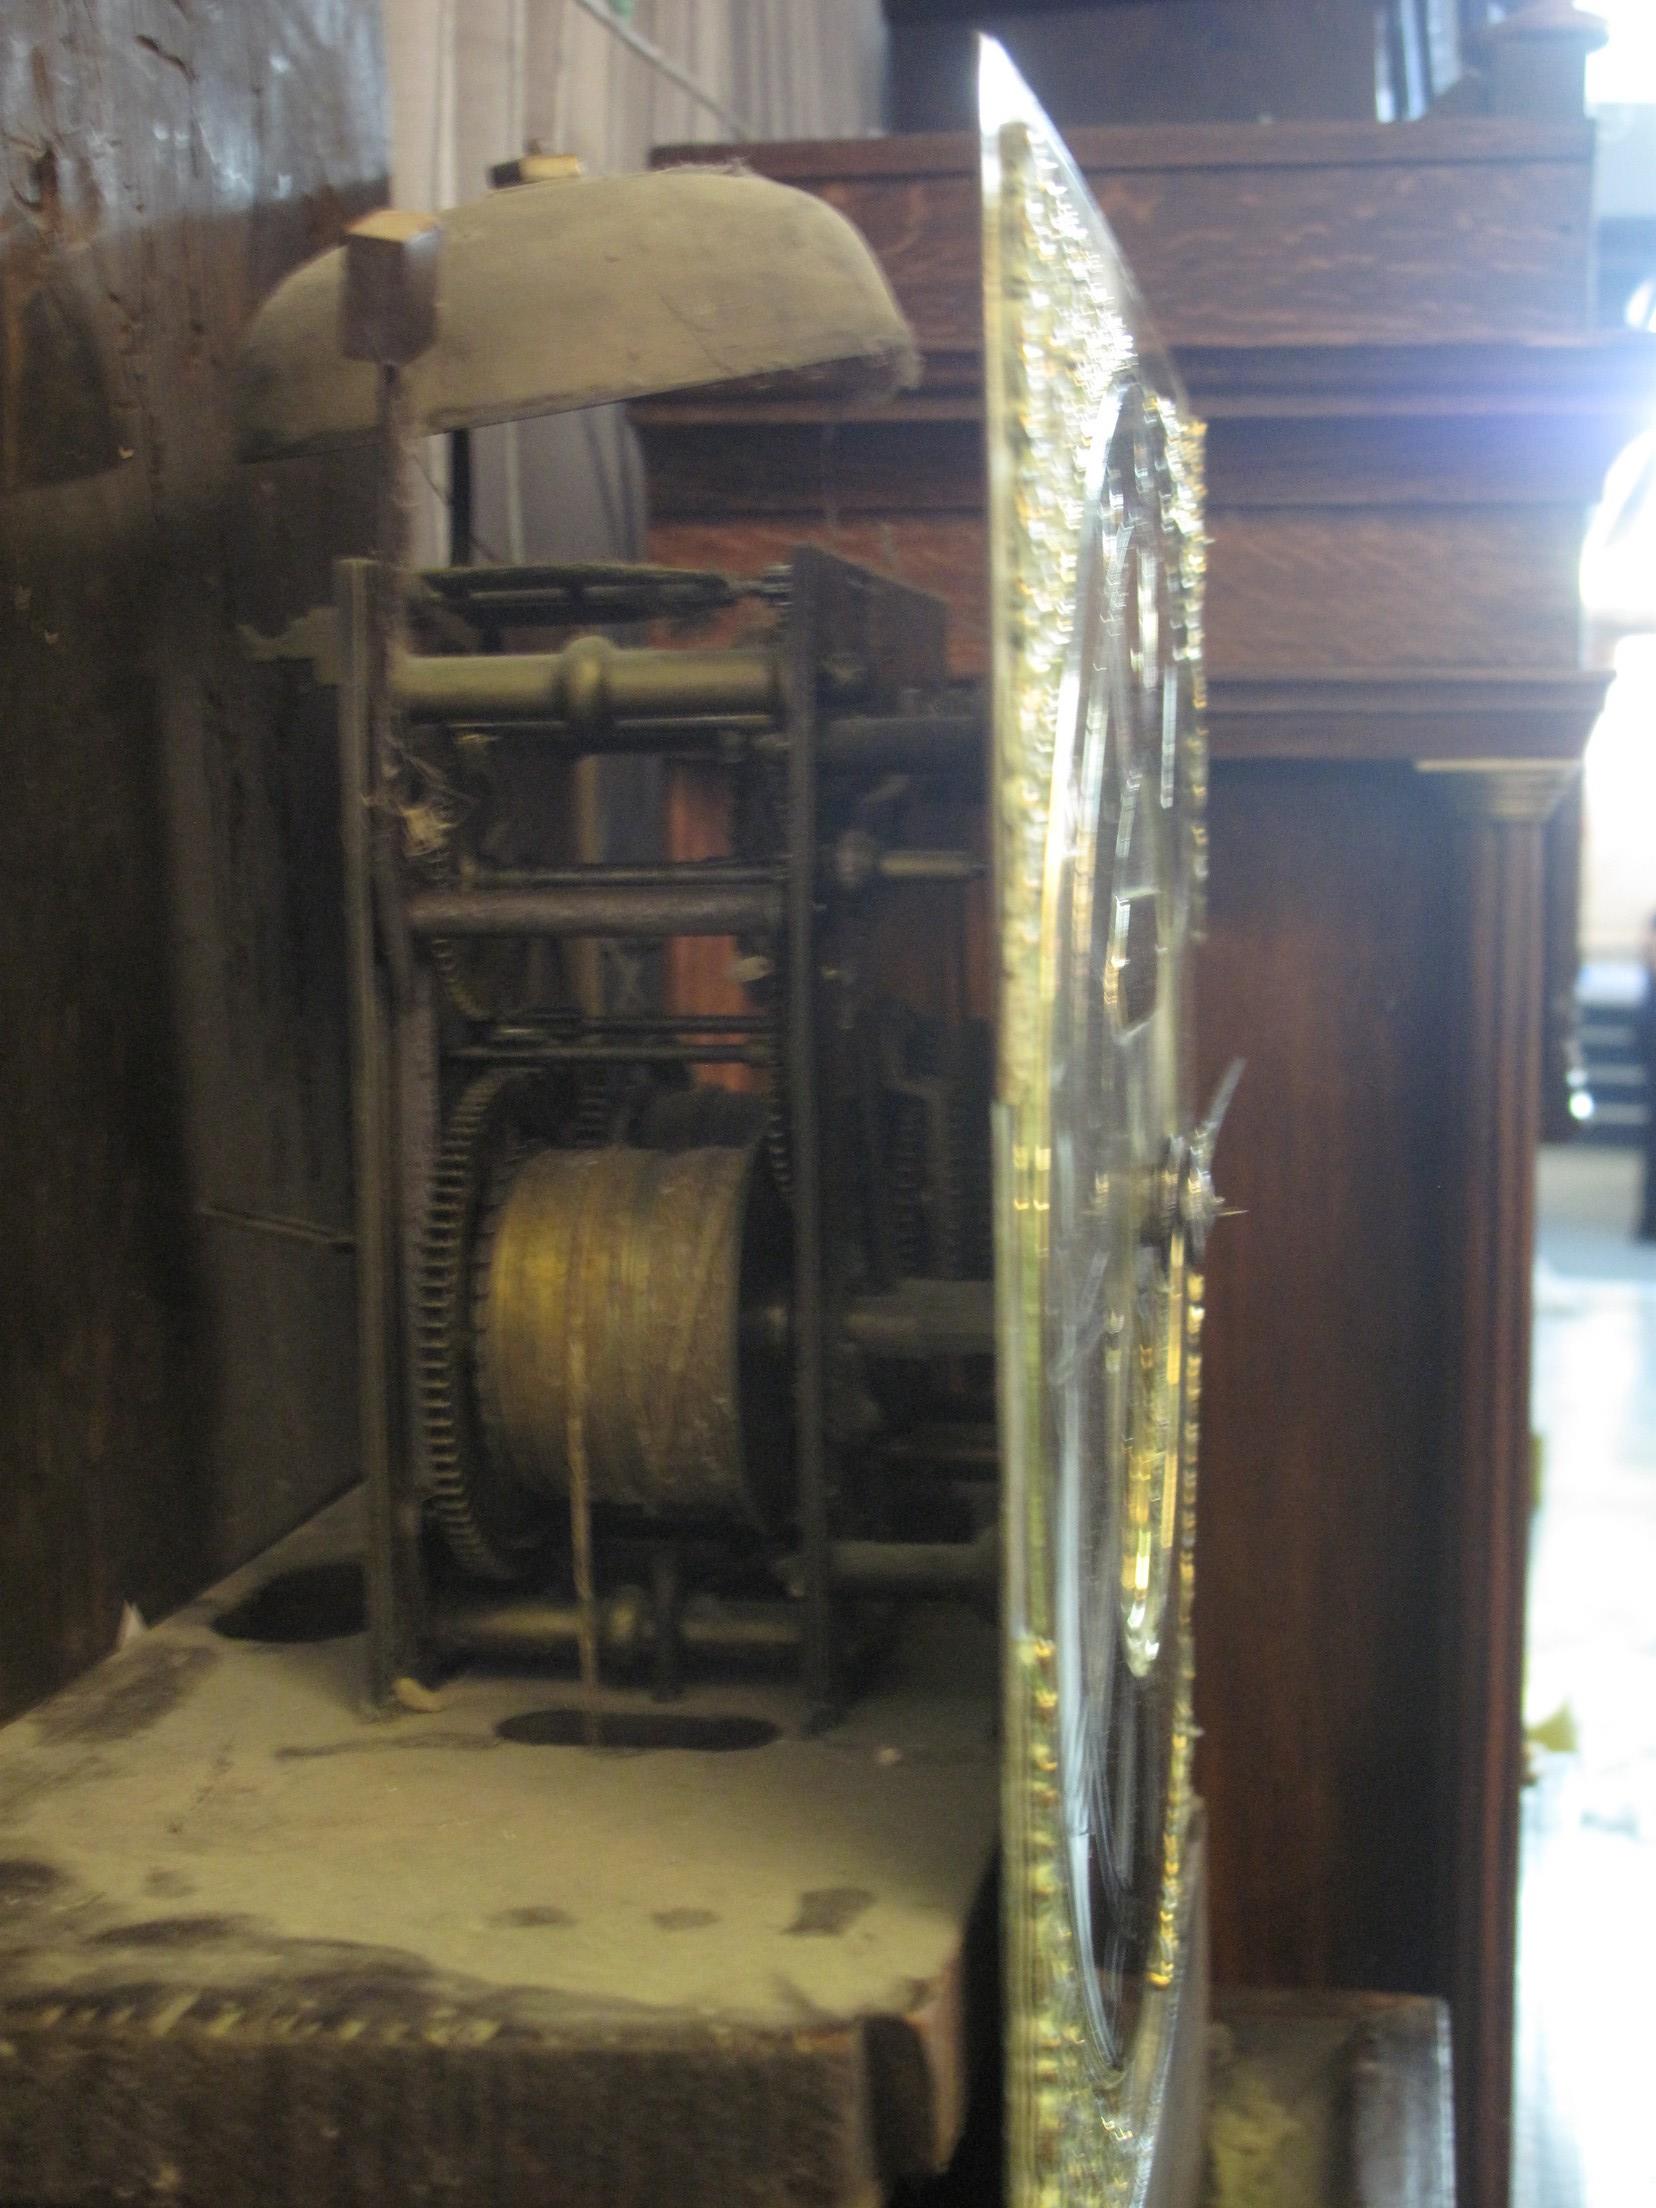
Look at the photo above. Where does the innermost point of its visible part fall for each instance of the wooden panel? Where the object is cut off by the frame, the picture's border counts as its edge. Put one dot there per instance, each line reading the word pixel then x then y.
pixel 1475 587
pixel 1393 507
pixel 941 553
pixel 174 1128
pixel 1496 866
pixel 1395 523
pixel 1430 232
pixel 1321 1502
pixel 1404 714
pixel 348 2013
pixel 1283 440
pixel 717 462
pixel 1289 592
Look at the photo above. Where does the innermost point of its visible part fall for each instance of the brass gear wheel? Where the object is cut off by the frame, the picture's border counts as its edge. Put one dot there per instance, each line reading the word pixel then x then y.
pixel 494 1528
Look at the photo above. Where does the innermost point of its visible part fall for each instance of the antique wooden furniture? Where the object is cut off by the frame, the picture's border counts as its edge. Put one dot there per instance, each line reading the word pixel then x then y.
pixel 305 1913
pixel 1385 330
pixel 757 1412
pixel 176 1198
pixel 263 1949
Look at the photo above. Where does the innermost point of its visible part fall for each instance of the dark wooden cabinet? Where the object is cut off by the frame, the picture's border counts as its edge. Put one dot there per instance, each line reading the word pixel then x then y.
pixel 175 1202
pixel 1386 329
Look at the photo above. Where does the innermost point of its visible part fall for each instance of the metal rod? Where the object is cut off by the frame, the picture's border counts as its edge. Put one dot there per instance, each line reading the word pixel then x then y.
pixel 697 873
pixel 582 576
pixel 667 1023
pixel 518 1626
pixel 671 1024
pixel 953 1452
pixel 596 909
pixel 803 1036
pixel 940 1568
pixel 390 1626
pixel 593 592
pixel 953 744
pixel 462 541
pixel 691 736
pixel 590 685
pixel 929 866
pixel 610 1054
pixel 926 1318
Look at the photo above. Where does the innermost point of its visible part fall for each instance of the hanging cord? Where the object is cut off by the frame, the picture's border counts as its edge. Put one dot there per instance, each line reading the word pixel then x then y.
pixel 517 132
pixel 648 51
pixel 442 120
pixel 580 1476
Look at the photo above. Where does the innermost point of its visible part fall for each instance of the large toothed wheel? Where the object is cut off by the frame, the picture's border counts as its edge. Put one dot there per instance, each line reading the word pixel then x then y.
pixel 495 1528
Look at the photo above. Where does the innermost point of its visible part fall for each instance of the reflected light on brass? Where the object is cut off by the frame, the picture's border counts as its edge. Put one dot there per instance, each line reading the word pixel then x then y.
pixel 1103 1198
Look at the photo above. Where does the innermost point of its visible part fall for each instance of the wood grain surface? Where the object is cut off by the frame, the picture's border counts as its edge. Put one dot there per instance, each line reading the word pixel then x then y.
pixel 1499 938
pixel 1383 587
pixel 1458 229
pixel 1386 328
pixel 1290 593
pixel 172 1369
pixel 1323 1539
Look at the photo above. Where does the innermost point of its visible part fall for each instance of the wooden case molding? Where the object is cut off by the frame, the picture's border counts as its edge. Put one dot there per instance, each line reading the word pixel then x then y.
pixel 1499 809
pixel 1385 328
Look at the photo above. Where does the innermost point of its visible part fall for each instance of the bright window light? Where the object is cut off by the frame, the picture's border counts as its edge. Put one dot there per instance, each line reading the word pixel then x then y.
pixel 1618 561
pixel 1623 71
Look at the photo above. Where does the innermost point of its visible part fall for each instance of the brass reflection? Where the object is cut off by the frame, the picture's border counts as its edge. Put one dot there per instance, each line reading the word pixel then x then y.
pixel 1099 778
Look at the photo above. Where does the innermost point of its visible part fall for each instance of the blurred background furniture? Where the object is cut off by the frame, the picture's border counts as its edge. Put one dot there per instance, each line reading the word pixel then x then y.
pixel 1133 61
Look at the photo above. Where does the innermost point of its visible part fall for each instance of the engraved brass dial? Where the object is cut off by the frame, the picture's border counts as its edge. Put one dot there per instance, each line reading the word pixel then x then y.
pixel 1098 779
pixel 1115 1334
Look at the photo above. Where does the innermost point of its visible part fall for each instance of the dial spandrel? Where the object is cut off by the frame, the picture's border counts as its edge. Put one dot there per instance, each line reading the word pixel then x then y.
pixel 1098 777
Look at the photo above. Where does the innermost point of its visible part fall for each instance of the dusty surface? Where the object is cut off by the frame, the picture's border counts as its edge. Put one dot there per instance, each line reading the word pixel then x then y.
pixel 1320 2099
pixel 206 1848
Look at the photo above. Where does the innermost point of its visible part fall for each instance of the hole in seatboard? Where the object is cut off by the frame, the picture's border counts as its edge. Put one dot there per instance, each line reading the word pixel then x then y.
pixel 313 1602
pixel 567 1726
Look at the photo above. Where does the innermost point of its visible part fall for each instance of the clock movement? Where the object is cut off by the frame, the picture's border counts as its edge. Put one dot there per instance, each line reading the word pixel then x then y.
pixel 789 1390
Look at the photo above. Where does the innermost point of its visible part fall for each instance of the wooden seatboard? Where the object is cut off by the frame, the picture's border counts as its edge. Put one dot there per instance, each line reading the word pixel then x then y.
pixel 261 1945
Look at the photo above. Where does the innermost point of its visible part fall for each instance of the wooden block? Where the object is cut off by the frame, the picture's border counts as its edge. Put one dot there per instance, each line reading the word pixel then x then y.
pixel 1323 589
pixel 258 1947
pixel 388 307
pixel 1538 59
pixel 449 1964
pixel 535 168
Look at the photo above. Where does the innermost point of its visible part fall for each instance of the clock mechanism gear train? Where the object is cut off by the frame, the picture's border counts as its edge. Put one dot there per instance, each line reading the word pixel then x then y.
pixel 780 1199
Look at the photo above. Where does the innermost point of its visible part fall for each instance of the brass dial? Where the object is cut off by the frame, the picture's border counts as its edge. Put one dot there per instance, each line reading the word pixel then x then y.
pixel 1098 776
pixel 1114 1310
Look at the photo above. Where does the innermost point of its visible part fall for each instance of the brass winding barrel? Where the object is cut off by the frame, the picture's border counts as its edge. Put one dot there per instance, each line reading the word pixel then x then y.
pixel 609 1337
